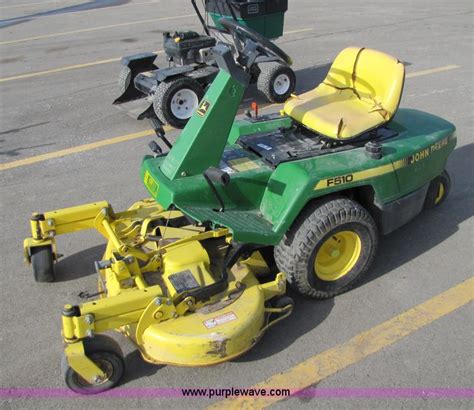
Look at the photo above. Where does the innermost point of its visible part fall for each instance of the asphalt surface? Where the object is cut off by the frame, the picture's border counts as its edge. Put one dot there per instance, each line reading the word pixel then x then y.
pixel 52 111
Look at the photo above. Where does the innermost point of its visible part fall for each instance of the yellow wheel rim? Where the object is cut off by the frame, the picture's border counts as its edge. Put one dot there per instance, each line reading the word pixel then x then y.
pixel 440 194
pixel 337 255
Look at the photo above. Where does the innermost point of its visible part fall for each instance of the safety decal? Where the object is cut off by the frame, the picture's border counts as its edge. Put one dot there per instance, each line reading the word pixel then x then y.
pixel 183 281
pixel 150 183
pixel 220 320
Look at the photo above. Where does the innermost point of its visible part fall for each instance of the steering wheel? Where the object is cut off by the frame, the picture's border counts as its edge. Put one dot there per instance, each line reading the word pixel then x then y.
pixel 263 44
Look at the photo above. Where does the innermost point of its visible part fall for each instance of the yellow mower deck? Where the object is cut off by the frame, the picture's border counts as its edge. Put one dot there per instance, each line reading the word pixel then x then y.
pixel 149 268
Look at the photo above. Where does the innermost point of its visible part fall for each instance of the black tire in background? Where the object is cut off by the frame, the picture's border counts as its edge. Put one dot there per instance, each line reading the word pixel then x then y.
pixel 166 101
pixel 318 223
pixel 42 261
pixel 276 81
pixel 124 79
pixel 438 190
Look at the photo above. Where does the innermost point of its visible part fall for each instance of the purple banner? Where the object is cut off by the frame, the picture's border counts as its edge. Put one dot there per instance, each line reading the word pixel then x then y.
pixel 328 393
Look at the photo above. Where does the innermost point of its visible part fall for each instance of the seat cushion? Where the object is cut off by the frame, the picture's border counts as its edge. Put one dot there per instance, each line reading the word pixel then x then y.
pixel 361 91
pixel 333 112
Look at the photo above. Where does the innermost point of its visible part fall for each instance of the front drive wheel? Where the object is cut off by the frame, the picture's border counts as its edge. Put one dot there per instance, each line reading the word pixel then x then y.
pixel 276 81
pixel 329 248
pixel 176 99
pixel 107 355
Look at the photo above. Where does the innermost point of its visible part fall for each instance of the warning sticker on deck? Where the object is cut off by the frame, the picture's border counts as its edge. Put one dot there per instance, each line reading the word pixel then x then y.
pixel 220 320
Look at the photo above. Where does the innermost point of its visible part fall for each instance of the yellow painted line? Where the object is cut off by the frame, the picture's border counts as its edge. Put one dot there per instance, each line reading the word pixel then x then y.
pixel 86 65
pixel 329 362
pixel 79 12
pixel 29 4
pixel 432 71
pixel 75 150
pixel 115 140
pixel 86 30
pixel 297 31
pixel 66 68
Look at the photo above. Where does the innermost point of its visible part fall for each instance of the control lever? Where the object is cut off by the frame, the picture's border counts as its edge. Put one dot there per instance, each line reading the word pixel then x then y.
pixel 156 148
pixel 160 131
pixel 212 175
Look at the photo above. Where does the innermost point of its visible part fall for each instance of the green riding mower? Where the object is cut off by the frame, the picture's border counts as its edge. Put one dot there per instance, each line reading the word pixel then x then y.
pixel 173 93
pixel 196 274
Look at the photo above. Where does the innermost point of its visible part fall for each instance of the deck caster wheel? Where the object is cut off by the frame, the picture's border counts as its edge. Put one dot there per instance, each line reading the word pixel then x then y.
pixel 42 261
pixel 176 99
pixel 438 190
pixel 107 355
pixel 276 81
pixel 282 301
pixel 278 303
pixel 328 249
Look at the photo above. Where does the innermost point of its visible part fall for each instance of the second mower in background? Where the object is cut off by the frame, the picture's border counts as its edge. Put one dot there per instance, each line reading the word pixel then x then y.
pixel 173 93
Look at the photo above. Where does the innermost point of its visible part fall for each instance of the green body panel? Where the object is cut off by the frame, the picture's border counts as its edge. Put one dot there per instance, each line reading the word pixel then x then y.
pixel 426 141
pixel 400 171
pixel 200 144
pixel 244 192
pixel 270 25
pixel 263 202
pixel 246 127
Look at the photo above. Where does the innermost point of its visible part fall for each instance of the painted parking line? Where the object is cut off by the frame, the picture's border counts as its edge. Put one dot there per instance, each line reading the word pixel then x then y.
pixel 432 71
pixel 40 14
pixel 66 68
pixel 128 137
pixel 329 362
pixel 29 4
pixel 77 149
pixel 86 30
pixel 297 31
pixel 94 63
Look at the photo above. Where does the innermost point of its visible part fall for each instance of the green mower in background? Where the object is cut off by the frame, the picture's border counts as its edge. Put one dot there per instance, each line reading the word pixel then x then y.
pixel 172 93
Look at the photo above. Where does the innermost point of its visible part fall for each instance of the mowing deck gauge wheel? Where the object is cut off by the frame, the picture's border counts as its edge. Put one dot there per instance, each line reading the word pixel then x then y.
pixel 276 81
pixel 438 190
pixel 107 355
pixel 176 99
pixel 329 248
pixel 42 261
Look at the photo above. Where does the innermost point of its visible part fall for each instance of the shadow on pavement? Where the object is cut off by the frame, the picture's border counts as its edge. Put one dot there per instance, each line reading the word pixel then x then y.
pixel 136 367
pixel 79 265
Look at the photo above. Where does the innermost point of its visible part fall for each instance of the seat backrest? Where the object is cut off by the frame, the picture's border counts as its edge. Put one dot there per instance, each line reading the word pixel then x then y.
pixel 379 77
pixel 341 73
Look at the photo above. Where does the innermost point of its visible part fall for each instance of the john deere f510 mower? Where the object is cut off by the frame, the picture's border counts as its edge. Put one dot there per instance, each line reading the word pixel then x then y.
pixel 173 93
pixel 196 274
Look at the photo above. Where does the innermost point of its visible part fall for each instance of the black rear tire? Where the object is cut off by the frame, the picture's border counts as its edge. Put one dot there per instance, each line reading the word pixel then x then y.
pixel 106 353
pixel 438 190
pixel 276 81
pixel 321 224
pixel 42 261
pixel 165 99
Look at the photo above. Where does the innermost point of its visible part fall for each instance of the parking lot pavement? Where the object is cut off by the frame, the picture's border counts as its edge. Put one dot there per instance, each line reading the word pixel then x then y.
pixel 66 55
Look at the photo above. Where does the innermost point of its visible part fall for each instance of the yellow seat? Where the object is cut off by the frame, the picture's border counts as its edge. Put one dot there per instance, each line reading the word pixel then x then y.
pixel 361 91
